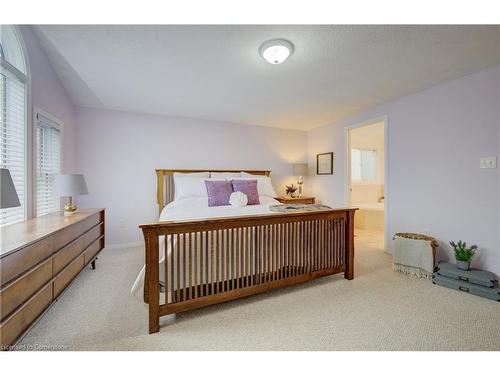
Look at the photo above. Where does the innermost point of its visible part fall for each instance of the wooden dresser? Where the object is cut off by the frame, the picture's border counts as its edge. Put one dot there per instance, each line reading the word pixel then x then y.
pixel 39 258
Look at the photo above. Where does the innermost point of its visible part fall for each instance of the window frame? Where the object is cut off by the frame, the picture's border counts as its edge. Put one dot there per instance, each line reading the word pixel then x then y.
pixel 365 182
pixel 31 113
pixel 59 125
pixel 28 125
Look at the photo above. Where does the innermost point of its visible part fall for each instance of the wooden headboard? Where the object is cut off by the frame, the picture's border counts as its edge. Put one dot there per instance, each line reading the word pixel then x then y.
pixel 165 182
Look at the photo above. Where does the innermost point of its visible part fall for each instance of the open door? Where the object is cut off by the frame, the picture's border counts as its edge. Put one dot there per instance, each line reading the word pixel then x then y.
pixel 366 176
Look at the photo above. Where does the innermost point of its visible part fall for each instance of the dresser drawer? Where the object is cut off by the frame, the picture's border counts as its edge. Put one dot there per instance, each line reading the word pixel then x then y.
pixel 23 288
pixel 16 263
pixel 17 323
pixel 67 275
pixel 75 248
pixel 92 250
pixel 68 234
pixel 91 221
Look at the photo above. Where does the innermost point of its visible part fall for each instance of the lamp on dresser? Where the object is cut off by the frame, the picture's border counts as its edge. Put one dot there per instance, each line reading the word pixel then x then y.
pixel 8 195
pixel 69 185
pixel 300 170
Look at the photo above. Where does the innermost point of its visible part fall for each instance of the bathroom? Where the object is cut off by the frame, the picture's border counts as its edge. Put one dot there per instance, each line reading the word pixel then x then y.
pixel 367 173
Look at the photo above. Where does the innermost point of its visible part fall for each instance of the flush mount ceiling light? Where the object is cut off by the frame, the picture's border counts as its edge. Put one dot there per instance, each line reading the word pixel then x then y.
pixel 276 51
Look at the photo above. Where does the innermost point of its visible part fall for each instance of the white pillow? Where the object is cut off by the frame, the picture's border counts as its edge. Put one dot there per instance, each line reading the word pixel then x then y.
pixel 225 174
pixel 192 187
pixel 264 186
pixel 188 189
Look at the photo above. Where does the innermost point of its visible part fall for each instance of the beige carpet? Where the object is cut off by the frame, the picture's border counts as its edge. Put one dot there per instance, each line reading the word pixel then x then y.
pixel 378 310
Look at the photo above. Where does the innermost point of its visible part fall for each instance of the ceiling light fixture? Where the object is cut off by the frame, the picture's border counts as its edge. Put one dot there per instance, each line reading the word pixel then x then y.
pixel 276 51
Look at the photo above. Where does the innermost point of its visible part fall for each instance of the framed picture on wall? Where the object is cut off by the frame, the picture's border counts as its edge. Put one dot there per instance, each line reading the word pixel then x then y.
pixel 324 163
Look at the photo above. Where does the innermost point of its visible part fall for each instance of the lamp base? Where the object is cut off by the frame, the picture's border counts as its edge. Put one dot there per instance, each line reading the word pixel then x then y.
pixel 69 209
pixel 300 181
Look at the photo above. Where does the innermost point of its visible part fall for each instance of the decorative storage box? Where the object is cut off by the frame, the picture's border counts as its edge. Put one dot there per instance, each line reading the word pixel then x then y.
pixel 477 282
pixel 478 290
pixel 473 276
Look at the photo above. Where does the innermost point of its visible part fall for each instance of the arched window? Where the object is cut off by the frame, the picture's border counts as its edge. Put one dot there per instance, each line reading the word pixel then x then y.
pixel 13 79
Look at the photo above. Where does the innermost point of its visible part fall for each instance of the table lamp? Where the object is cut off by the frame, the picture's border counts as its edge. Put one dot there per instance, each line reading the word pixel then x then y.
pixel 300 170
pixel 8 195
pixel 69 185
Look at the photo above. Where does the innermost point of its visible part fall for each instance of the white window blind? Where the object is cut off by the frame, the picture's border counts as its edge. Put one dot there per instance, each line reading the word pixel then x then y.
pixel 48 164
pixel 363 165
pixel 13 139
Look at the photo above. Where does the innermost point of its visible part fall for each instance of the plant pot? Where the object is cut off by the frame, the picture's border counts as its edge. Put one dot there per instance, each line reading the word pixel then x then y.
pixel 463 265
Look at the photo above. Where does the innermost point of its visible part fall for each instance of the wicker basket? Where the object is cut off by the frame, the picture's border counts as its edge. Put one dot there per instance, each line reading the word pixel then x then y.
pixel 423 237
pixel 413 269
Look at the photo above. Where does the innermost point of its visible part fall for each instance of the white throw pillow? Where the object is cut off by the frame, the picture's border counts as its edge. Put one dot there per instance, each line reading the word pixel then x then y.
pixel 238 199
pixel 225 174
pixel 264 186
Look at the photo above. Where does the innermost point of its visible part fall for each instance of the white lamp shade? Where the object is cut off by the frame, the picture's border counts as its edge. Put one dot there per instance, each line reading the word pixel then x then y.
pixel 68 185
pixel 8 196
pixel 300 169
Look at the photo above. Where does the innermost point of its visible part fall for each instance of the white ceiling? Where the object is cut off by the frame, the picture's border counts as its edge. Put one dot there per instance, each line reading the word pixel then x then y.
pixel 216 73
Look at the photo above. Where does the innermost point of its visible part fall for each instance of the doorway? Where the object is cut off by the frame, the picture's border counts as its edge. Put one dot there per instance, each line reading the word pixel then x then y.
pixel 366 179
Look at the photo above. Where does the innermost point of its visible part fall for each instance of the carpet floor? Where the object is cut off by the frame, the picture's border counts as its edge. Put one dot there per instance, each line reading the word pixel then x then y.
pixel 378 310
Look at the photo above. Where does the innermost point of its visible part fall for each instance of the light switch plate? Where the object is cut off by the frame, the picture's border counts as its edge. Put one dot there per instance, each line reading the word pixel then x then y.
pixel 490 162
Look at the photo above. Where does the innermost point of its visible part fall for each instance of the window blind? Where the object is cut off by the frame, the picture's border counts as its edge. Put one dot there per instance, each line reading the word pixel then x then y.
pixel 363 165
pixel 13 140
pixel 48 164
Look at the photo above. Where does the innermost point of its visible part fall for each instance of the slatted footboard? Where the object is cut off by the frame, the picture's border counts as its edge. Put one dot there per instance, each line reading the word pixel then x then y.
pixel 199 263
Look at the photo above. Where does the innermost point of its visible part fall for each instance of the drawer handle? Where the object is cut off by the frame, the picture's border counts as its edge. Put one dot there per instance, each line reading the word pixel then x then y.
pixel 463 289
pixel 463 278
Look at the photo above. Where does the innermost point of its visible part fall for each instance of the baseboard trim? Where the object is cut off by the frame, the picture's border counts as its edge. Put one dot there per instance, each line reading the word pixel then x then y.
pixel 123 245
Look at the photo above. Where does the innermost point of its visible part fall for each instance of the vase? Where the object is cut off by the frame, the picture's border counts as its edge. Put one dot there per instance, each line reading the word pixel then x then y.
pixel 463 265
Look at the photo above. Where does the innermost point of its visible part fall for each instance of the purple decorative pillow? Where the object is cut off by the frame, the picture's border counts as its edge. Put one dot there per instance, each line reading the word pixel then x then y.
pixel 248 187
pixel 218 192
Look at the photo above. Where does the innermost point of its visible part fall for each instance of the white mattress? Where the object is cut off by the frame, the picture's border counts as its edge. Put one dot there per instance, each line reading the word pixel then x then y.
pixel 195 209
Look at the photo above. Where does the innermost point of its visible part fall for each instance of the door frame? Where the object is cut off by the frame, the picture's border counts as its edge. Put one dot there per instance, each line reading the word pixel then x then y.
pixel 347 166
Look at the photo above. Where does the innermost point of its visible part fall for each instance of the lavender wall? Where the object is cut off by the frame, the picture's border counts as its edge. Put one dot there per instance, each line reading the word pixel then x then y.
pixel 118 152
pixel 48 94
pixel 435 140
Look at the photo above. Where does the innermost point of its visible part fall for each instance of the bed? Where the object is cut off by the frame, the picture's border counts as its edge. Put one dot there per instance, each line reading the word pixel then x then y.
pixel 197 256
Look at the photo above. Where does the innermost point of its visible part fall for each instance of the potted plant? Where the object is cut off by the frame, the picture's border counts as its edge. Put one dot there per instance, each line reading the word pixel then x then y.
pixel 290 190
pixel 463 254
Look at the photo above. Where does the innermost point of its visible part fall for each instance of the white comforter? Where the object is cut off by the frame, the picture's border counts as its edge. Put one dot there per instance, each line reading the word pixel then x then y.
pixel 194 209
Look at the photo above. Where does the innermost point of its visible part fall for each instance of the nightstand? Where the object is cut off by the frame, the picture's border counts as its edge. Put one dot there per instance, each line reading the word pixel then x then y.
pixel 296 200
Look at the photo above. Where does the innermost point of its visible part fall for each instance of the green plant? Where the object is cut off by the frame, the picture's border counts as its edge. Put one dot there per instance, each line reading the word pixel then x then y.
pixel 462 252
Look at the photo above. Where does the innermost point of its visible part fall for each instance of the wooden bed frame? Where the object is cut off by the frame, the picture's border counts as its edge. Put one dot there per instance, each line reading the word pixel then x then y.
pixel 222 259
